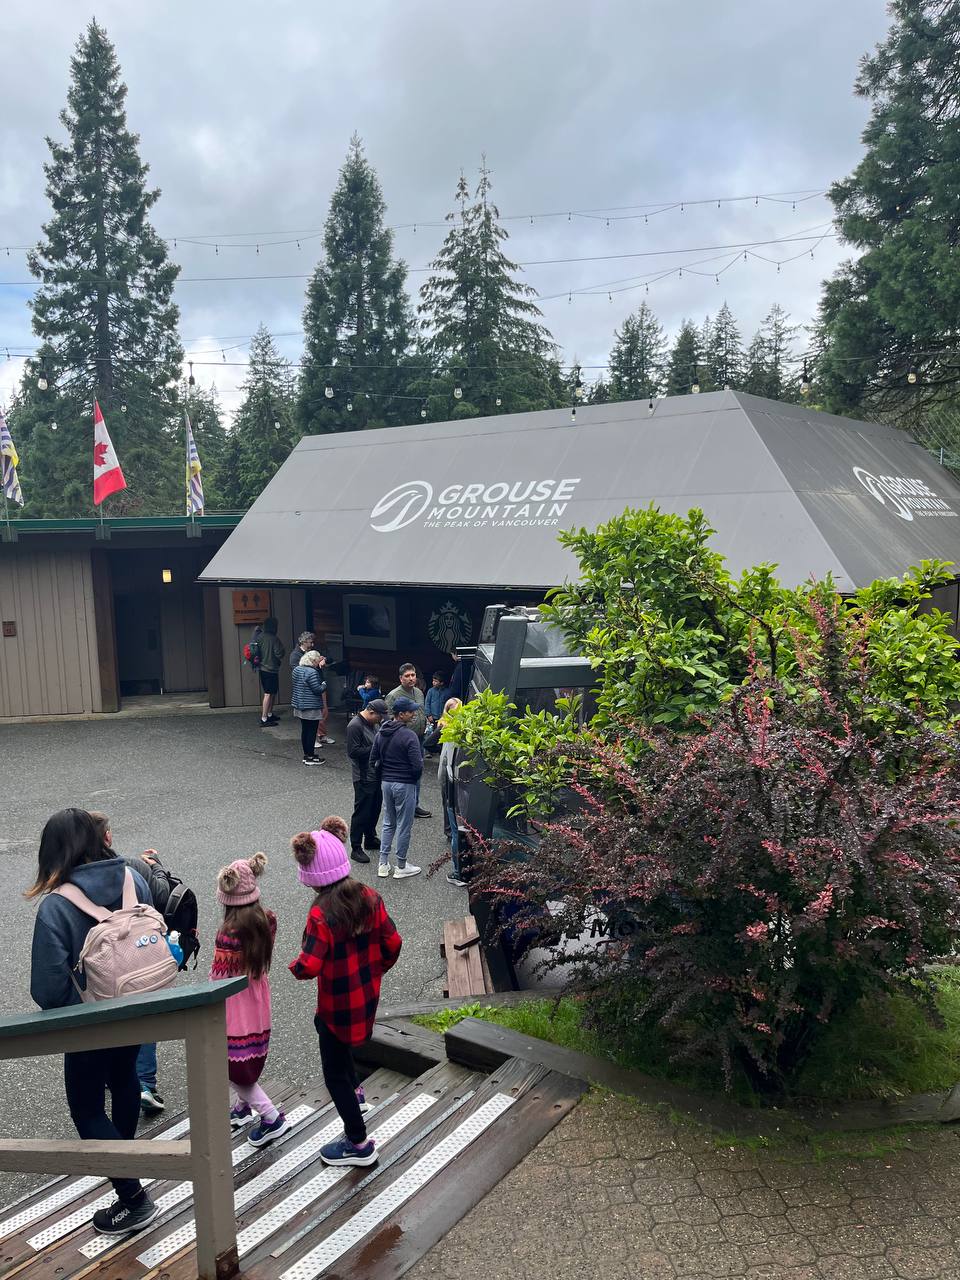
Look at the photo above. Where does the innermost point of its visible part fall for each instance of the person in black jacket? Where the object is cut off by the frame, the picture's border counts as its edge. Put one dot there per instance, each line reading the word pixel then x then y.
pixel 71 852
pixel 397 757
pixel 367 793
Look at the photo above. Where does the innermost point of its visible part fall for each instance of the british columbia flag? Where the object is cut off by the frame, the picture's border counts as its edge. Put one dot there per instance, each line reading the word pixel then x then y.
pixel 194 483
pixel 10 460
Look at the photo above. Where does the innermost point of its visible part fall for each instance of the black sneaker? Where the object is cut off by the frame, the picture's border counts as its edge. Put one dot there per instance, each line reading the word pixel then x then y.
pixel 422 813
pixel 121 1220
pixel 359 856
pixel 312 760
pixel 373 844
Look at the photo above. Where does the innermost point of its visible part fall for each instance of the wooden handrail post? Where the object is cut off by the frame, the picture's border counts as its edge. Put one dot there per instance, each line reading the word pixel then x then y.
pixel 209 1106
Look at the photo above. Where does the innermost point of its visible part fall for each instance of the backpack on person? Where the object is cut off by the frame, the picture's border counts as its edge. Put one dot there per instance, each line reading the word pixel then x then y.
pixel 252 652
pixel 126 951
pixel 178 906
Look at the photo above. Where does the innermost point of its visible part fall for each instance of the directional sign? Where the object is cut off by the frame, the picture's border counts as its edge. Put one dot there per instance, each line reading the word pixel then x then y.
pixel 250 606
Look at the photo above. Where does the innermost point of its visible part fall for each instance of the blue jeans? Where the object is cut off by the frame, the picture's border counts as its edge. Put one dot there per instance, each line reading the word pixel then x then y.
pixel 454 839
pixel 399 802
pixel 147 1065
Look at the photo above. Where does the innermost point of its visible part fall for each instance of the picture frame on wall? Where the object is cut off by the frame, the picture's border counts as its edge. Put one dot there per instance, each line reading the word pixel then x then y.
pixel 370 621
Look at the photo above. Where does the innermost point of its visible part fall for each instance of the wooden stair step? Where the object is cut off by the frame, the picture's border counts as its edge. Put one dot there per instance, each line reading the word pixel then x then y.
pixel 399 1209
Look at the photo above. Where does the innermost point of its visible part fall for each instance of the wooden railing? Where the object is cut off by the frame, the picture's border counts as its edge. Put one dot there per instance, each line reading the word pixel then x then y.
pixel 192 1014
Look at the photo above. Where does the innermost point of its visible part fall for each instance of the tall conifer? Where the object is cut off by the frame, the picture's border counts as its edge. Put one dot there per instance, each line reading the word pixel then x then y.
pixel 264 428
pixel 104 309
pixel 483 333
pixel 637 358
pixel 357 322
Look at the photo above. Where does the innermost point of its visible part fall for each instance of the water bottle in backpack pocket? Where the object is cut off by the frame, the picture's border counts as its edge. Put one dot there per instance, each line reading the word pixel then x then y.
pixel 126 952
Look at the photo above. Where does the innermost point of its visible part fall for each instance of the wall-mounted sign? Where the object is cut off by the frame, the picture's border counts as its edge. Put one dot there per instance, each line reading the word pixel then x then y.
pixel 477 506
pixel 449 626
pixel 907 498
pixel 9 630
pixel 250 606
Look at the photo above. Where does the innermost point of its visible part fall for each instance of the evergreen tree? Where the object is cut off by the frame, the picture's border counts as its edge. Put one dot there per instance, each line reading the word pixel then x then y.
pixel 482 332
pixel 683 369
pixel 636 361
pixel 723 355
pixel 357 317
pixel 895 307
pixel 104 310
pixel 264 430
pixel 704 369
pixel 600 392
pixel 770 371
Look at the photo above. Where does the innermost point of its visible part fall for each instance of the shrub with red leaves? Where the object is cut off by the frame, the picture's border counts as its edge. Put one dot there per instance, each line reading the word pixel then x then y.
pixel 766 872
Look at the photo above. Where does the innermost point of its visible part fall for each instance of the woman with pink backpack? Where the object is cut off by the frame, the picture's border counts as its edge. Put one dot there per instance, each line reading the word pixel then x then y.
pixel 73 857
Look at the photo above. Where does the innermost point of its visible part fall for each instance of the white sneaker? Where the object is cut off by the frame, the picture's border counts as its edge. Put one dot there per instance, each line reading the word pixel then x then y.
pixel 383 869
pixel 399 873
pixel 327 742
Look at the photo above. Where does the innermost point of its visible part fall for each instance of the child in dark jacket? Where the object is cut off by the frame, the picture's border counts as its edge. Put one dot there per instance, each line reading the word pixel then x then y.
pixel 348 944
pixel 72 852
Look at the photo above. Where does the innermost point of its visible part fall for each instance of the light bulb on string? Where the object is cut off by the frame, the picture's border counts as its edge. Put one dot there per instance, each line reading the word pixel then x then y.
pixel 191 380
pixel 328 391
pixel 805 381
pixel 276 426
pixel 498 402
pixel 42 383
pixel 695 388
pixel 53 426
pixel 912 376
pixel 573 414
pixel 123 408
pixel 349 406
pixel 423 411
pixel 458 392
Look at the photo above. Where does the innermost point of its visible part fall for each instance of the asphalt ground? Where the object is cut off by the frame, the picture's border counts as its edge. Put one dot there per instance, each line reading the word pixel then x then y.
pixel 202 790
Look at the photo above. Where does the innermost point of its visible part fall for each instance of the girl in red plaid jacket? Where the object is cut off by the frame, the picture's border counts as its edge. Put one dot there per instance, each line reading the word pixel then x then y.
pixel 348 945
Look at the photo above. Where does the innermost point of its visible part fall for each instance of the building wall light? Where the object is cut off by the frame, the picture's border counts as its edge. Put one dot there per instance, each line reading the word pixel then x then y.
pixel 166 575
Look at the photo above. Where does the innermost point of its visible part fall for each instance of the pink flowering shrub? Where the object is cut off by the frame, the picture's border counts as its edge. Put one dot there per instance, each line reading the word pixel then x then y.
pixel 755 879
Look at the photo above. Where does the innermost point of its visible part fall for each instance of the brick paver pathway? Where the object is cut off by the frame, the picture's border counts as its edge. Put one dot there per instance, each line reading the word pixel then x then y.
pixel 621 1192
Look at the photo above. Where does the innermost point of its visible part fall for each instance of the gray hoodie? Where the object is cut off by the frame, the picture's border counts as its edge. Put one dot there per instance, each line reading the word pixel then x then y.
pixel 61 929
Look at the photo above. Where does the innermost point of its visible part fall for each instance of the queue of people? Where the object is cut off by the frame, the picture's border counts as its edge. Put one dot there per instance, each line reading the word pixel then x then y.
pixel 349 942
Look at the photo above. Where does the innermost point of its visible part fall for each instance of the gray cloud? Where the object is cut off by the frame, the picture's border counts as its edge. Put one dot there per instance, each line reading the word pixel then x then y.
pixel 245 111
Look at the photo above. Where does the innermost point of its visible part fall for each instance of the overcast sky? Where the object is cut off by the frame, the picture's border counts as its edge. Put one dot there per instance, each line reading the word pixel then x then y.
pixel 245 111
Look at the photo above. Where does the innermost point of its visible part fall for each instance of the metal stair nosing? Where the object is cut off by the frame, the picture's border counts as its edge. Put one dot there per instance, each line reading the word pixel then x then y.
pixel 518 1090
pixel 62 1258
pixel 441 1084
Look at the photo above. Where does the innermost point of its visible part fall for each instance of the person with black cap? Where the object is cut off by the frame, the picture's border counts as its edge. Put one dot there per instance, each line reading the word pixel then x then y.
pixel 367 793
pixel 397 757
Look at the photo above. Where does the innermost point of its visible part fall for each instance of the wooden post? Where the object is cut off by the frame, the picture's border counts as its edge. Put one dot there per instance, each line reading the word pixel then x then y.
pixel 209 1106
pixel 105 631
pixel 213 647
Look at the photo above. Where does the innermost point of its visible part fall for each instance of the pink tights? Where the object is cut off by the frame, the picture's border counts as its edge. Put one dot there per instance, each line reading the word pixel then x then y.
pixel 254 1097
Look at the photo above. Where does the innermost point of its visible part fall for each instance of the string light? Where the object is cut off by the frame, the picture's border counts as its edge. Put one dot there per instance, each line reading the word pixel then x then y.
pixel 912 376
pixel 498 402
pixel 458 392
pixel 328 391
pixel 191 381
pixel 349 406
pixel 423 412
pixel 804 381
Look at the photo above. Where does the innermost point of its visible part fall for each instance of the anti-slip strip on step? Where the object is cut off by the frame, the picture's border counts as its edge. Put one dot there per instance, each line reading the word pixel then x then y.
pixel 80 1216
pixel 186 1234
pixel 184 1190
pixel 314 1263
pixel 328 1177
pixel 80 1186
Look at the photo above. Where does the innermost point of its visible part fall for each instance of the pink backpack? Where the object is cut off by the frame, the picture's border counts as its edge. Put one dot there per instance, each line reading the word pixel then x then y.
pixel 126 952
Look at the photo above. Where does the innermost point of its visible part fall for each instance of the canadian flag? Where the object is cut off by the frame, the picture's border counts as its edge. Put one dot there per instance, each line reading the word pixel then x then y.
pixel 107 476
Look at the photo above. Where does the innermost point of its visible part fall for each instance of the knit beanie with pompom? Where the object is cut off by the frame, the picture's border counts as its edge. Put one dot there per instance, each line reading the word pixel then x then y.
pixel 237 884
pixel 321 857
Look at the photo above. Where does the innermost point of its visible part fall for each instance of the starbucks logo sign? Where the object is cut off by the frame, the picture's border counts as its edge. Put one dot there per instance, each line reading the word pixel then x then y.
pixel 449 626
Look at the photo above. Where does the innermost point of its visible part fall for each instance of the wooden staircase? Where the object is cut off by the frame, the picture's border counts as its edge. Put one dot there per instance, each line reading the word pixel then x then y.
pixel 446 1136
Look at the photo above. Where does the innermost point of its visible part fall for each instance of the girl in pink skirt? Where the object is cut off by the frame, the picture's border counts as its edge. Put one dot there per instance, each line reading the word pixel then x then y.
pixel 244 945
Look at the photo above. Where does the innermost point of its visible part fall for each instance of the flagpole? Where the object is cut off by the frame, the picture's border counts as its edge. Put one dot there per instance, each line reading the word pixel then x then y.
pixel 186 470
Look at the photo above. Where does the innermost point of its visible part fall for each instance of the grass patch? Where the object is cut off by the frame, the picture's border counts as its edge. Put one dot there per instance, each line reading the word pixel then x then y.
pixel 883 1048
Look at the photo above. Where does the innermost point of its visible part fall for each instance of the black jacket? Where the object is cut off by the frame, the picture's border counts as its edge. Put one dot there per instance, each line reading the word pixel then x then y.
pixel 361 735
pixel 399 750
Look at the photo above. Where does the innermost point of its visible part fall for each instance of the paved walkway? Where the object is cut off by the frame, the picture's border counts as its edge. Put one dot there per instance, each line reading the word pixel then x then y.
pixel 621 1192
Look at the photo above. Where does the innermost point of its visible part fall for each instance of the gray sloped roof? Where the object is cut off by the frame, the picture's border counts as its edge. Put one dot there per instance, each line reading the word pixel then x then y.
pixel 478 502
